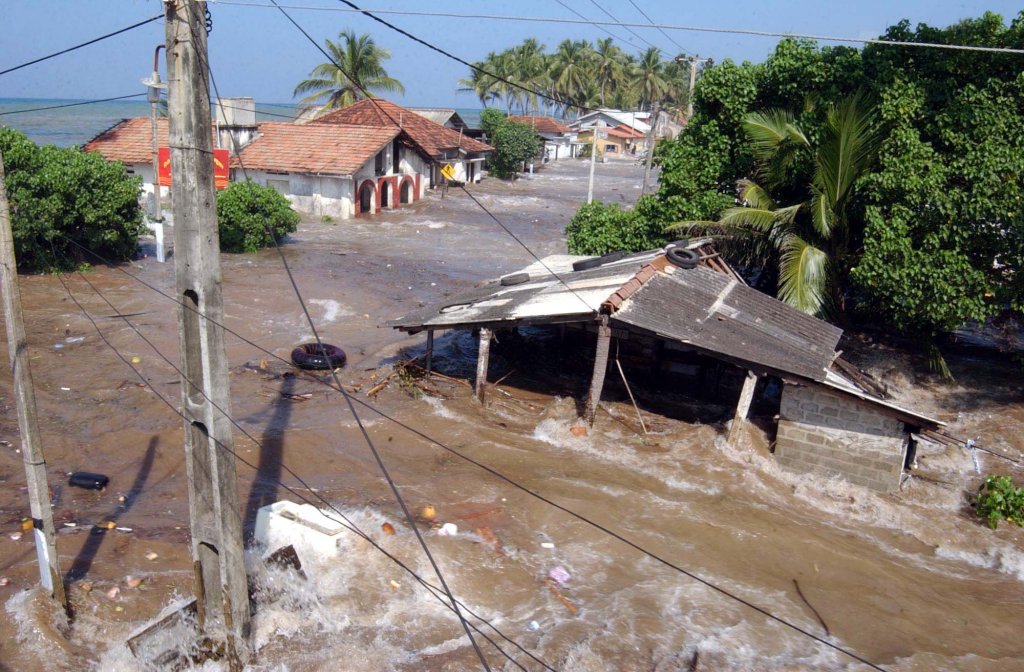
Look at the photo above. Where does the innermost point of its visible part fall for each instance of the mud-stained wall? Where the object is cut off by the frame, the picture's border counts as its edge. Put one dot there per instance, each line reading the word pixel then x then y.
pixel 826 433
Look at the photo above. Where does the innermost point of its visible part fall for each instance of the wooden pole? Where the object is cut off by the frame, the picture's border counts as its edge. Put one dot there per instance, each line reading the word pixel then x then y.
pixel 430 349
pixel 651 139
pixel 742 407
pixel 481 363
pixel 216 522
pixel 604 339
pixel 28 424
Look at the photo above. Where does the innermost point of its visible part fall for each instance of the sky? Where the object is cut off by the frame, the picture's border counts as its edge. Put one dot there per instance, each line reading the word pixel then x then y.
pixel 255 51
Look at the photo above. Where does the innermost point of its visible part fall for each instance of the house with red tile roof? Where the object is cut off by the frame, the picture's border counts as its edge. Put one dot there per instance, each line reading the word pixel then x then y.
pixel 614 142
pixel 424 146
pixel 130 141
pixel 560 141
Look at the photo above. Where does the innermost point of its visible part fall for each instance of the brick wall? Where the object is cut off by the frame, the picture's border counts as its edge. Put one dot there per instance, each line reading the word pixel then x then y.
pixel 827 433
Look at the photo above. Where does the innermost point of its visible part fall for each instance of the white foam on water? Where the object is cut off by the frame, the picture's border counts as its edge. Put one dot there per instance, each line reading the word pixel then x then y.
pixel 332 309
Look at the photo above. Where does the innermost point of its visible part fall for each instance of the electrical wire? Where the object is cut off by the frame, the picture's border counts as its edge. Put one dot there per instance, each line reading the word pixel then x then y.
pixel 344 522
pixel 208 71
pixel 631 31
pixel 660 29
pixel 83 44
pixel 599 26
pixel 666 26
pixel 84 102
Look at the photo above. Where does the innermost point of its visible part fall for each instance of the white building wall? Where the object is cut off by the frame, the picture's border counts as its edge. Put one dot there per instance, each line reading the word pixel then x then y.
pixel 411 163
pixel 315 195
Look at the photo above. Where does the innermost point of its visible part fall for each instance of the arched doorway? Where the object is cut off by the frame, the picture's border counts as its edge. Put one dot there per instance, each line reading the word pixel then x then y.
pixel 405 191
pixel 385 194
pixel 366 194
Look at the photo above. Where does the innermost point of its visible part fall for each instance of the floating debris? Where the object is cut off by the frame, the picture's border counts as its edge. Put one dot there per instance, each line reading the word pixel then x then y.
pixel 429 512
pixel 559 574
pixel 546 544
pixel 448 530
pixel 151 556
pixel 4 581
pixel 15 536
pixel 113 593
pixel 133 581
pixel 88 480
pixel 388 528
pixel 395 585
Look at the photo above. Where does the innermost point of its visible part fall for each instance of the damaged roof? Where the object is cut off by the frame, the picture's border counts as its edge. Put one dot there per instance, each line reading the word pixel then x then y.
pixel 708 308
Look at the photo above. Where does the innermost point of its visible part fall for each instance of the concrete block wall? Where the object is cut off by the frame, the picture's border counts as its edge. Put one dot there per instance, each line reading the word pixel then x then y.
pixel 827 433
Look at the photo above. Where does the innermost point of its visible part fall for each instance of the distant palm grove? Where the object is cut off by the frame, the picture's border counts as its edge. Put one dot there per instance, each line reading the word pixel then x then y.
pixel 578 75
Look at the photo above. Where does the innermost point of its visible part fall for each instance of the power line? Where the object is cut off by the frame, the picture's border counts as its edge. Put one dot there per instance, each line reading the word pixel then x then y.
pixel 83 44
pixel 84 102
pixel 665 26
pixel 345 522
pixel 661 30
pixel 366 436
pixel 631 31
pixel 494 472
pixel 596 24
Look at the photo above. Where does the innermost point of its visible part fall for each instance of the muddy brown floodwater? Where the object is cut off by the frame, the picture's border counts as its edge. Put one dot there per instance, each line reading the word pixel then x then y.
pixel 910 581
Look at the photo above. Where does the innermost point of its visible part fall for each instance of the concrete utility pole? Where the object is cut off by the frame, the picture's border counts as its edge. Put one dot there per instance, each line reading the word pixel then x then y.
pixel 593 157
pixel 221 591
pixel 28 425
pixel 651 139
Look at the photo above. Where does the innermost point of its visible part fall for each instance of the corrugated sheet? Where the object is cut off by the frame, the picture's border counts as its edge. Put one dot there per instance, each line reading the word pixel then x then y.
pixel 716 313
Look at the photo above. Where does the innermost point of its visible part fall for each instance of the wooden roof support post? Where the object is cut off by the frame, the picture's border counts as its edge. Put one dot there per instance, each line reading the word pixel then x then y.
pixel 25 399
pixel 481 363
pixel 742 407
pixel 604 339
pixel 430 349
pixel 214 508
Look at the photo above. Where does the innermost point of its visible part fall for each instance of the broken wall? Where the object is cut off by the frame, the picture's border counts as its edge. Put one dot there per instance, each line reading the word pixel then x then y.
pixel 830 434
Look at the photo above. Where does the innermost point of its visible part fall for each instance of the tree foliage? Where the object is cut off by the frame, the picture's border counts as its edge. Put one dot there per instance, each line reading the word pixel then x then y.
pixel 247 215
pixel 64 201
pixel 597 228
pixel 936 225
pixel 356 68
pixel 513 142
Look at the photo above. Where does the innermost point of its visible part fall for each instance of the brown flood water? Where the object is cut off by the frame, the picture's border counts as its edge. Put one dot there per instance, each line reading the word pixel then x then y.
pixel 911 581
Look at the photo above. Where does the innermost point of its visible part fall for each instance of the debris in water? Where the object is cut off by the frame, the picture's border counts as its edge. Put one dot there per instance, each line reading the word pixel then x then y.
pixel 559 574
pixel 578 430
pixel 88 480
pixel 448 530
pixel 546 544
pixel 151 556
pixel 133 581
pixel 15 536
pixel 534 625
pixel 395 585
pixel 4 581
pixel 65 389
pixel 113 593
pixel 27 525
pixel 561 598
pixel 388 528
pixel 106 525
pixel 85 586
pixel 74 339
pixel 136 360
pixel 429 512
pixel 123 529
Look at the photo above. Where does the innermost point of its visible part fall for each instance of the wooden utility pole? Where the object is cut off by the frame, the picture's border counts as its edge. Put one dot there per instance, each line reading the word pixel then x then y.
pixel 28 425
pixel 216 524
pixel 651 139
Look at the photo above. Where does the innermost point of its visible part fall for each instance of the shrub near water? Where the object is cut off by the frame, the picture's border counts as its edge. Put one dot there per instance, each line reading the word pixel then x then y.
pixel 998 498
pixel 247 213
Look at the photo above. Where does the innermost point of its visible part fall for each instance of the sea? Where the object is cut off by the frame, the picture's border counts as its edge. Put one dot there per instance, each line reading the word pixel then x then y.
pixel 69 122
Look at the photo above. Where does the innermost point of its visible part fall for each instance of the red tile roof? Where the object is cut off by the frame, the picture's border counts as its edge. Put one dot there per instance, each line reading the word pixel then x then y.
pixel 317 149
pixel 543 124
pixel 432 138
pixel 130 141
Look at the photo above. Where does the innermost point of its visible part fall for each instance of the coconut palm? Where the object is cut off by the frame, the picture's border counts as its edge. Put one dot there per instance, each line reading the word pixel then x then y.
pixel 649 74
pixel 479 83
pixel 354 71
pixel 570 70
pixel 812 241
pixel 609 66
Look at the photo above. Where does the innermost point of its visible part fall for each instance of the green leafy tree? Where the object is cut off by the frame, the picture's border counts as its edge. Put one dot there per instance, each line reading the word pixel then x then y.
pixel 599 228
pixel 64 201
pixel 356 66
pixel 514 143
pixel 251 217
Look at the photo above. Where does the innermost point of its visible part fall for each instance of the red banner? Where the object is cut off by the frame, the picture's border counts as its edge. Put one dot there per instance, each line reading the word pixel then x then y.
pixel 221 174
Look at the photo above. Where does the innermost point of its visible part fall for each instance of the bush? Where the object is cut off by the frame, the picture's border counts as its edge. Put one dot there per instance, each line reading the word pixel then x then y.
pixel 514 143
pixel 998 498
pixel 63 200
pixel 597 228
pixel 247 213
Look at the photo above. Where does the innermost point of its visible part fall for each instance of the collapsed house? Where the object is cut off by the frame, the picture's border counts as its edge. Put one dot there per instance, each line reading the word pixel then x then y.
pixel 683 308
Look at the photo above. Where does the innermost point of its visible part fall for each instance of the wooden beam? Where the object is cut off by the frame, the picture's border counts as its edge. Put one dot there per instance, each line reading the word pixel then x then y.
pixel 742 407
pixel 430 348
pixel 604 338
pixel 481 363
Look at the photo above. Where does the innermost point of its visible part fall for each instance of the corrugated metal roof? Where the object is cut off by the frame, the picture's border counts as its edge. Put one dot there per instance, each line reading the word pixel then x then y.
pixel 715 313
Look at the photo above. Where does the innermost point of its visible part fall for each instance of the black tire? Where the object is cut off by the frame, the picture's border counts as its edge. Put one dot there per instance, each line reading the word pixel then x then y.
pixel 584 264
pixel 682 257
pixel 318 357
pixel 514 279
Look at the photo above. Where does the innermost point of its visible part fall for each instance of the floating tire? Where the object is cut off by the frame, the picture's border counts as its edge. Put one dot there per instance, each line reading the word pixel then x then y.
pixel 514 279
pixel 682 257
pixel 318 357
pixel 584 264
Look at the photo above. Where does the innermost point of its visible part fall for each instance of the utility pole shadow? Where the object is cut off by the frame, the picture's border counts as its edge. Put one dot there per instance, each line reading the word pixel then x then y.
pixel 264 489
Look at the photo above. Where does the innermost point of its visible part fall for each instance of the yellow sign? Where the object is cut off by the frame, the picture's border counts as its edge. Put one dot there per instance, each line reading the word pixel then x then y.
pixel 449 172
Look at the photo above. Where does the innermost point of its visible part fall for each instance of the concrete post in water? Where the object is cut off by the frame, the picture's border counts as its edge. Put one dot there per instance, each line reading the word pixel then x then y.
pixel 430 349
pixel 593 157
pixel 28 424
pixel 604 339
pixel 216 522
pixel 481 363
pixel 742 407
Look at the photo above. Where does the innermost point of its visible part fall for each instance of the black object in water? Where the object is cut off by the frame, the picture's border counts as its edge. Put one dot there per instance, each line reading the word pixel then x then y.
pixel 90 481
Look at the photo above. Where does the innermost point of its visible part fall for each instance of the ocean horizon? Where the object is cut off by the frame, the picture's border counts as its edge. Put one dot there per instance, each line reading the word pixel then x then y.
pixel 75 125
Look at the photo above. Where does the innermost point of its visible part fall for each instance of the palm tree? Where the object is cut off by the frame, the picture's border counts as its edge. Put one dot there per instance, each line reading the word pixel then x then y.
pixel 355 69
pixel 813 241
pixel 650 75
pixel 570 70
pixel 530 71
pixel 608 66
pixel 479 83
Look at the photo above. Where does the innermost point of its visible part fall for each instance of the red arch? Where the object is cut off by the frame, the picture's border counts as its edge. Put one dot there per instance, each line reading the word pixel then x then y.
pixel 408 179
pixel 374 196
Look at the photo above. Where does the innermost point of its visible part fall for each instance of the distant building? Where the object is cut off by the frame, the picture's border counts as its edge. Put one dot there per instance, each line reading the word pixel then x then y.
pixel 559 140
pixel 618 142
pixel 419 139
pixel 446 117
pixel 130 141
